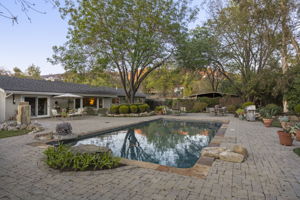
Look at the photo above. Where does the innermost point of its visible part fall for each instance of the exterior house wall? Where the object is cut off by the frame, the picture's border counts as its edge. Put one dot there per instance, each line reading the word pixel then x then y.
pixel 107 102
pixel 2 106
pixel 11 106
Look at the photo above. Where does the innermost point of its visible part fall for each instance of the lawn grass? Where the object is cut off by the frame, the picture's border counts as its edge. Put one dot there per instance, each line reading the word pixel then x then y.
pixel 297 151
pixel 5 134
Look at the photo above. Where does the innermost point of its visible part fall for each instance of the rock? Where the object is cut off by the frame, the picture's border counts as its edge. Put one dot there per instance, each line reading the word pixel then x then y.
pixel 23 126
pixel 12 123
pixel 213 152
pixel 44 136
pixel 23 116
pixel 89 148
pixel 240 150
pixel 3 126
pixel 294 118
pixel 231 157
pixel 12 128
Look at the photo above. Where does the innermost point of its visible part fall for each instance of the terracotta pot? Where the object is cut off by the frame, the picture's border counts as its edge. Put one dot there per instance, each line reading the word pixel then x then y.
pixel 298 135
pixel 285 138
pixel 267 122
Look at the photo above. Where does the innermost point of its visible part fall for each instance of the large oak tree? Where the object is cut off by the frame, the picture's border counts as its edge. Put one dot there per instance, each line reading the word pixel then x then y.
pixel 131 37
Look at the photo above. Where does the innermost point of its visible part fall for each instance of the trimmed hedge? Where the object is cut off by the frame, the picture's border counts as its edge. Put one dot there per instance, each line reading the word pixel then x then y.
pixel 114 109
pixel 134 108
pixel 124 109
pixel 199 106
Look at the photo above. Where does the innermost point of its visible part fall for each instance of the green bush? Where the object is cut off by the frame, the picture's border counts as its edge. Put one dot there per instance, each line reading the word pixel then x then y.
pixel 62 158
pixel 199 106
pixel 231 108
pixel 240 111
pixel 124 109
pixel 143 107
pixel 90 111
pixel 211 102
pixel 275 109
pixel 297 108
pixel 246 104
pixel 114 109
pixel 159 108
pixel 134 108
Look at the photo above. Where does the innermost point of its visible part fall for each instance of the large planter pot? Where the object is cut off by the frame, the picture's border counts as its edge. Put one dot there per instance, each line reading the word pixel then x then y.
pixel 285 138
pixel 267 122
pixel 298 135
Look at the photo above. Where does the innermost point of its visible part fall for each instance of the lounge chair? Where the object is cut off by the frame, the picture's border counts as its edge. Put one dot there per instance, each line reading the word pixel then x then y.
pixel 55 113
pixel 79 112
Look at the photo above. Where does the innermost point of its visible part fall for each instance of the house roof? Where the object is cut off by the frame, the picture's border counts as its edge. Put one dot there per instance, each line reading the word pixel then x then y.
pixel 10 83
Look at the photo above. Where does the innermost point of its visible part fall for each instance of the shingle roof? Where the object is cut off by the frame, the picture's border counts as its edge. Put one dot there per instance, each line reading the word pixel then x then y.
pixel 31 85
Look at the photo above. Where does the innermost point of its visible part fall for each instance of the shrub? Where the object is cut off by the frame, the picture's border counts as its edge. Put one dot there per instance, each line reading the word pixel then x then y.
pixel 124 109
pixel 231 108
pixel 90 111
pixel 62 158
pixel 297 108
pixel 199 106
pixel 134 108
pixel 246 104
pixel 143 107
pixel 159 108
pixel 64 128
pixel 274 109
pixel 114 109
pixel 210 101
pixel 147 107
pixel 240 111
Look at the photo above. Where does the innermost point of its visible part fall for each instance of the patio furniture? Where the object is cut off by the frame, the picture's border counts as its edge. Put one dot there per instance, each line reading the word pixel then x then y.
pixel 54 113
pixel 219 110
pixel 250 113
pixel 79 112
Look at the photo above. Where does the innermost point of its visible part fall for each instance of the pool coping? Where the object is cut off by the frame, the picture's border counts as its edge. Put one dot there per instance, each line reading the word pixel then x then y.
pixel 199 170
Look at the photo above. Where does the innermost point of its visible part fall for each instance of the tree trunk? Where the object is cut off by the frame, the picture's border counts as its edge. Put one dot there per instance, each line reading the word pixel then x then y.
pixel 284 51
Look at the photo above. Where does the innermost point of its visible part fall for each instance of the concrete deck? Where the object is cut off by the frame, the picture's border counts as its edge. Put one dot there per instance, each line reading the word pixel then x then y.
pixel 271 171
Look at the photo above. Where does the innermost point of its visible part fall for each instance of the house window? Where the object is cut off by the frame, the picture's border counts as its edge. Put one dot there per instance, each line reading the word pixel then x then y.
pixel 77 103
pixel 90 102
pixel 115 100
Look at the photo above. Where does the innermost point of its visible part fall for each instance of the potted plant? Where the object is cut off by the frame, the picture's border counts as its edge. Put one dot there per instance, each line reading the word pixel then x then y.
pixel 266 115
pixel 285 122
pixel 240 112
pixel 285 137
pixel 297 130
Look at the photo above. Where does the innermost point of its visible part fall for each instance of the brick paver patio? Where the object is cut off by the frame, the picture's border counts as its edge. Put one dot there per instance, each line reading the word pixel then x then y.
pixel 271 171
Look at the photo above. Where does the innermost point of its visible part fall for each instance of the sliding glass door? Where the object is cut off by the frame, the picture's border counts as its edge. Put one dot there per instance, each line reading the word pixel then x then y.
pixel 39 105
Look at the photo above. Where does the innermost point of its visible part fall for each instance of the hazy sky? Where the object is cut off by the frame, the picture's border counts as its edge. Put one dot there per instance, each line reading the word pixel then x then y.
pixel 29 43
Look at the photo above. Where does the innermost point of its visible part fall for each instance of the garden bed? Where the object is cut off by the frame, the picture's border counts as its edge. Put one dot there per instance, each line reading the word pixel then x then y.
pixel 144 114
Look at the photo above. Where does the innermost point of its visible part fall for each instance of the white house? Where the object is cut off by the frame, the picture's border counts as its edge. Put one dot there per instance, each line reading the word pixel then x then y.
pixel 40 95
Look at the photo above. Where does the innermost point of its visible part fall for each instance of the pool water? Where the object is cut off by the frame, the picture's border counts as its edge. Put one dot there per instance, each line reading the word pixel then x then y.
pixel 172 143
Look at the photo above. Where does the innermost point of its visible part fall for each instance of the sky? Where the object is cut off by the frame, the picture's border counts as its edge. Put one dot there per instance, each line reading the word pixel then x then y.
pixel 30 42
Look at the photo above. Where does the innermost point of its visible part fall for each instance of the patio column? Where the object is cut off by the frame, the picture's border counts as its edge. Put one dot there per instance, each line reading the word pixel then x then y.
pixel 81 102
pixel 97 103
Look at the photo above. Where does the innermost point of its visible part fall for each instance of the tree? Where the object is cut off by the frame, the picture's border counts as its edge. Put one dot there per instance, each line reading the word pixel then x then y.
pixel 26 6
pixel 33 72
pixel 131 37
pixel 198 53
pixel 18 72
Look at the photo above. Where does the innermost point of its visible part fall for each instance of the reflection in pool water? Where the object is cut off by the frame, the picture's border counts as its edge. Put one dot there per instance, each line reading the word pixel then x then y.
pixel 166 142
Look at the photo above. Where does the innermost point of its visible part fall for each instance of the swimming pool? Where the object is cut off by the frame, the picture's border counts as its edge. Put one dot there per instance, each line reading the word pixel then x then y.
pixel 174 143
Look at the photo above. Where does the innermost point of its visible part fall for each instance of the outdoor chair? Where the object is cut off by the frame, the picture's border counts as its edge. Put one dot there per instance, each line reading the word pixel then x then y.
pixel 54 113
pixel 79 112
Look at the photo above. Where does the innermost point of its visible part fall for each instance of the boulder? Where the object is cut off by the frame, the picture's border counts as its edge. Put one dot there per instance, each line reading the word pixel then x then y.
pixel 213 152
pixel 12 128
pixel 44 136
pixel 230 156
pixel 3 126
pixel 90 149
pixel 240 150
